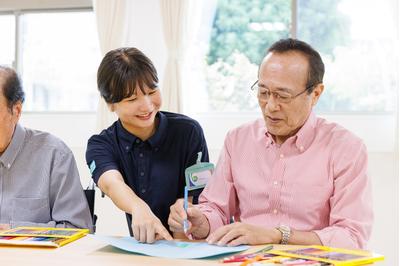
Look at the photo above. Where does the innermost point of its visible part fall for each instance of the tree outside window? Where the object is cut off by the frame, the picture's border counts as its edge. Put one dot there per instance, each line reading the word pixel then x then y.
pixel 361 73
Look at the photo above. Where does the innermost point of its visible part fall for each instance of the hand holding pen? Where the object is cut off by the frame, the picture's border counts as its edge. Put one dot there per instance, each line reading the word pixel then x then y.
pixel 184 217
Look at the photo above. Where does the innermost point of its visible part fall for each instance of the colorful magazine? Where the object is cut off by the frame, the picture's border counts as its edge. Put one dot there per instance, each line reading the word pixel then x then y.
pixel 42 237
pixel 335 256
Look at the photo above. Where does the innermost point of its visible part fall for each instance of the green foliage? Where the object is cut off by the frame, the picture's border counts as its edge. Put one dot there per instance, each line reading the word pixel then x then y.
pixel 232 31
pixel 229 84
pixel 319 23
pixel 244 29
pixel 322 25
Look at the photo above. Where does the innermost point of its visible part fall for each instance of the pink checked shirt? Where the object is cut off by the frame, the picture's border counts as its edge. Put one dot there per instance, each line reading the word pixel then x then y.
pixel 315 181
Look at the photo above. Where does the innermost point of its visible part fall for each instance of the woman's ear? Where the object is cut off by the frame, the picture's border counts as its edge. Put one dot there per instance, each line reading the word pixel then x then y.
pixel 110 107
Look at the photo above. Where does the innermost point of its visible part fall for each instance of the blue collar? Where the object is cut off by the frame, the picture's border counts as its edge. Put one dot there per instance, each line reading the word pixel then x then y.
pixel 127 139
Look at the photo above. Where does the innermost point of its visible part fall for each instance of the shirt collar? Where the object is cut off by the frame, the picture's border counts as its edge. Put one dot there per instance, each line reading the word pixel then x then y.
pixel 262 133
pixel 269 139
pixel 306 134
pixel 127 139
pixel 303 138
pixel 17 141
pixel 161 132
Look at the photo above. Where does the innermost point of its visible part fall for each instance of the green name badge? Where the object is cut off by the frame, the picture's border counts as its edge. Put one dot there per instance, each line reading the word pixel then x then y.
pixel 198 174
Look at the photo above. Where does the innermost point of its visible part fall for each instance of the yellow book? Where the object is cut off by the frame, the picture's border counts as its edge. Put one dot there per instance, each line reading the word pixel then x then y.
pixel 40 236
pixel 335 256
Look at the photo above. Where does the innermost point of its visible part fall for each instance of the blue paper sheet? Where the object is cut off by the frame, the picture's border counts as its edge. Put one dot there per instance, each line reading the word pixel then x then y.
pixel 169 249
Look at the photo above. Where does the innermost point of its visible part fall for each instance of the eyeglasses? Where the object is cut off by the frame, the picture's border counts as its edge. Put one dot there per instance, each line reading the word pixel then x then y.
pixel 280 97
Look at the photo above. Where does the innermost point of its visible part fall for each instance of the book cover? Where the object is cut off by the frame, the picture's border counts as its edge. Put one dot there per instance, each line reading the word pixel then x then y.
pixel 39 236
pixel 335 256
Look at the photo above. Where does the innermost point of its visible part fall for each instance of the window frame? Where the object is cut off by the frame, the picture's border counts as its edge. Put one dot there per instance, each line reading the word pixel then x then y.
pixel 293 34
pixel 17 63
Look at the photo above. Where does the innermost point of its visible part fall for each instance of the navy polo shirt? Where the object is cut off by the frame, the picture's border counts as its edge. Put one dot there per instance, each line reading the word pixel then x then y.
pixel 154 169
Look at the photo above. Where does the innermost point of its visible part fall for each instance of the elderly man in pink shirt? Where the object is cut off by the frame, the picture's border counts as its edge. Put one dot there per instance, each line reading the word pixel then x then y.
pixel 291 177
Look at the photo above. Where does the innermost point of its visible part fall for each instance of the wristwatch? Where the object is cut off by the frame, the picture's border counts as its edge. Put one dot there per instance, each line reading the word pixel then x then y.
pixel 286 232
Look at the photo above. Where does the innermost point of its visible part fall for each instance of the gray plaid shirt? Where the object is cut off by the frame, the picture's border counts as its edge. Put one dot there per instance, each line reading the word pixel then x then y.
pixel 40 184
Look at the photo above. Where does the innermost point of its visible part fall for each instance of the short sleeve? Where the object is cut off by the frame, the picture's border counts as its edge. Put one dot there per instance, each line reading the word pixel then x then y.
pixel 197 143
pixel 101 156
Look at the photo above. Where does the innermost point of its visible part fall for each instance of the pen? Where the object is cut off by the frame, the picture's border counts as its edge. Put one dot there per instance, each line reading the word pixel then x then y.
pixel 244 257
pixel 238 258
pixel 185 206
pixel 251 260
pixel 265 249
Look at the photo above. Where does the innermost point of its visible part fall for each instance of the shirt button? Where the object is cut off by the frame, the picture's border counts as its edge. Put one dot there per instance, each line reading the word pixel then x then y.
pixel 137 141
pixel 141 173
pixel 275 183
pixel 275 211
pixel 8 166
pixel 143 190
pixel 140 154
pixel 127 148
pixel 281 156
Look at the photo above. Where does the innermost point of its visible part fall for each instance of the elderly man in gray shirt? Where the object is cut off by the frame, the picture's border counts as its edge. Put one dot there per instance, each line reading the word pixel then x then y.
pixel 39 180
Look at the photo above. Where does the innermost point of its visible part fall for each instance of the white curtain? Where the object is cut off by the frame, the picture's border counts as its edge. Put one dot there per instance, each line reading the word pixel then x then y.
pixel 112 24
pixel 174 18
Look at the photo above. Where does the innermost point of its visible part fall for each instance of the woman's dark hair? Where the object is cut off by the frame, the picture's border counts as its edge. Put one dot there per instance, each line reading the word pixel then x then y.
pixel 11 87
pixel 316 68
pixel 123 70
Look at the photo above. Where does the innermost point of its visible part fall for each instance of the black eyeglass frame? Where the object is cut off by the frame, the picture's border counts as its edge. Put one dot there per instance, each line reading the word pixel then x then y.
pixel 292 97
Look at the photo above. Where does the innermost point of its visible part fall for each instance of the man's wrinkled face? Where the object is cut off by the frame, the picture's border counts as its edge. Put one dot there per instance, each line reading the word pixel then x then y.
pixel 285 74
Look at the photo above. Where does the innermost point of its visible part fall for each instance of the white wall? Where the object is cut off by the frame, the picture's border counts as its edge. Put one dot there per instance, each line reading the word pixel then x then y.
pixel 146 32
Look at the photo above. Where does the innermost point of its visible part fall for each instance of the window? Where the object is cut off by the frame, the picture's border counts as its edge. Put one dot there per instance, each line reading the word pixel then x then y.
pixel 57 58
pixel 357 40
pixel 7 44
pixel 229 44
pixel 358 43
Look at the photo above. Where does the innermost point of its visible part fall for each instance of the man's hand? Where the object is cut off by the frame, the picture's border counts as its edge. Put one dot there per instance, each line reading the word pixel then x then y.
pixel 198 223
pixel 243 234
pixel 146 227
pixel 4 227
